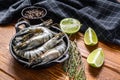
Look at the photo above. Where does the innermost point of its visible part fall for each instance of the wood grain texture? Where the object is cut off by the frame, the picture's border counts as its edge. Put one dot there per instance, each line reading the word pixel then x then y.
pixel 13 70
pixel 5 76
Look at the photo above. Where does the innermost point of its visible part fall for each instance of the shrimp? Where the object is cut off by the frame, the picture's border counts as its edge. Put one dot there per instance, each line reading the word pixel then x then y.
pixel 19 40
pixel 26 34
pixel 30 30
pixel 54 53
pixel 35 53
pixel 37 39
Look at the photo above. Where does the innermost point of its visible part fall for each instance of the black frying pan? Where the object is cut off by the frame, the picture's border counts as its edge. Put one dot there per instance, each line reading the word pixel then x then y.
pixel 61 59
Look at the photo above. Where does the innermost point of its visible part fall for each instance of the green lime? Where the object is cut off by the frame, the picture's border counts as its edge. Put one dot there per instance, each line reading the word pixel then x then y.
pixel 96 58
pixel 90 37
pixel 70 25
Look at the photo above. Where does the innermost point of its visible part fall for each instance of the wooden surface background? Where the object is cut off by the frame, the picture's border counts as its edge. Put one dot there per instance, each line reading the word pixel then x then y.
pixel 11 70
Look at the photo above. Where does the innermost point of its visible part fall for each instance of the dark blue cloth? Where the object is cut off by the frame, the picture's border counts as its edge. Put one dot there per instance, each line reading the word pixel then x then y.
pixel 102 15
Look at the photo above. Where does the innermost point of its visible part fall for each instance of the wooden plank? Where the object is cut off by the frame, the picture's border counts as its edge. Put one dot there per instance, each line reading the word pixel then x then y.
pixel 109 71
pixel 5 76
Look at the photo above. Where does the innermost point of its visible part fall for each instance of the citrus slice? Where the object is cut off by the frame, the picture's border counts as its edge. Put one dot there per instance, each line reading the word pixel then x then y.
pixel 90 37
pixel 70 25
pixel 96 58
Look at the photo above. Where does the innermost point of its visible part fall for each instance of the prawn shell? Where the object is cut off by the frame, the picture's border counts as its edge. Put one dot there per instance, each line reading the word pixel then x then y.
pixel 41 50
pixel 36 40
pixel 50 55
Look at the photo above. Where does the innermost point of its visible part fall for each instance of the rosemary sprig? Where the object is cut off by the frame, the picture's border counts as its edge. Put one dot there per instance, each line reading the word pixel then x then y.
pixel 74 65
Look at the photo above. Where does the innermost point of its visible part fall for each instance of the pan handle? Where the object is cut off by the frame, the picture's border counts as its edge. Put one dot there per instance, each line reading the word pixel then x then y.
pixel 62 59
pixel 21 25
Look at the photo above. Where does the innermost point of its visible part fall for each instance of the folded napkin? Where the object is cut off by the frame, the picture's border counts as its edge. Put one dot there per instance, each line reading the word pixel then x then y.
pixel 102 15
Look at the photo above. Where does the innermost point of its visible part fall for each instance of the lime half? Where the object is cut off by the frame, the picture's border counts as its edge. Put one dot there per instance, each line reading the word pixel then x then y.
pixel 96 58
pixel 90 37
pixel 70 25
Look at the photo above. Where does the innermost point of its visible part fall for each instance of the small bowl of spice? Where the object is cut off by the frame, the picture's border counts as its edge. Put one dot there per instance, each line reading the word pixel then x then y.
pixel 34 14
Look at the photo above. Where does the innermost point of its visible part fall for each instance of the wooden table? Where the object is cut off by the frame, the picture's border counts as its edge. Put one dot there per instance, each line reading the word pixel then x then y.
pixel 11 70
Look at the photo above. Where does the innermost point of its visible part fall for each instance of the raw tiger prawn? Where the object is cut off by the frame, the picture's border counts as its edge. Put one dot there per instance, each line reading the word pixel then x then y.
pixel 41 35
pixel 54 52
pixel 40 50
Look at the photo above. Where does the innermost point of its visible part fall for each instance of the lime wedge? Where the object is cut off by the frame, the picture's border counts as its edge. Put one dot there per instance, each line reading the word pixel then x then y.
pixel 90 37
pixel 70 25
pixel 96 58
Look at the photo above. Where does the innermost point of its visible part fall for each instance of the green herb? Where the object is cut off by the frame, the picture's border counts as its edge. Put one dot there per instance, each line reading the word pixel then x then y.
pixel 74 65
